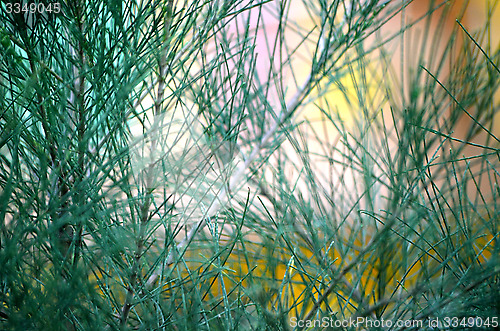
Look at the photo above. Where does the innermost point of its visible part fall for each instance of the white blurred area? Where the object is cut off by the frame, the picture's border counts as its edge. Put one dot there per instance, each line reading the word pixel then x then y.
pixel 170 151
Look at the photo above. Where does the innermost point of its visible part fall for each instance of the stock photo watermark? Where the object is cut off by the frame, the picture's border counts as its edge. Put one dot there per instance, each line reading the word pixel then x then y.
pixel 364 323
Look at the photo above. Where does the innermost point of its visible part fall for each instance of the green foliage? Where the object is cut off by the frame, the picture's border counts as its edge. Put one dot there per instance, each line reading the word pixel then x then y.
pixel 221 165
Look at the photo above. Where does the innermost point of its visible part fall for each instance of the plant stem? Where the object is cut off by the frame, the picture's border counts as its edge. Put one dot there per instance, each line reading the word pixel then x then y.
pixel 149 176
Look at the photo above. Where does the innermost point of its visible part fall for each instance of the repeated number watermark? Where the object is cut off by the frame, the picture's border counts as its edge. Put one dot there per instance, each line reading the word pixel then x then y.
pixel 40 8
pixel 465 322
